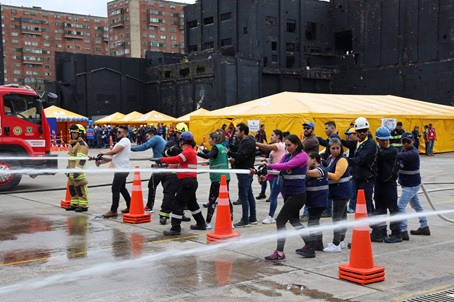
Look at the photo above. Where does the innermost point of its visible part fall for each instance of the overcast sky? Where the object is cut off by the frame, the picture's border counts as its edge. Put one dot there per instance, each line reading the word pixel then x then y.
pixel 84 7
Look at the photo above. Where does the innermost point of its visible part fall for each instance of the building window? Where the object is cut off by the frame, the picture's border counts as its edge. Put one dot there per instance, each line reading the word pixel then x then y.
pixel 291 26
pixel 244 30
pixel 273 45
pixel 270 20
pixel 226 42
pixel 192 24
pixel 290 63
pixel 208 45
pixel 311 31
pixel 226 16
pixel 290 47
pixel 208 21
pixel 184 72
pixel 273 58
pixel 192 48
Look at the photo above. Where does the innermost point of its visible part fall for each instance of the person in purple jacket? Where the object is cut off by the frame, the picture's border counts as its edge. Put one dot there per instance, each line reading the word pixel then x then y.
pixel 292 167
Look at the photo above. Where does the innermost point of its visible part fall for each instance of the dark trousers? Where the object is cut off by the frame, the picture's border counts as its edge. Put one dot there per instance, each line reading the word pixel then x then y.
pixel 213 196
pixel 385 197
pixel 155 180
pixel 368 187
pixel 170 185
pixel 339 215
pixel 290 212
pixel 119 187
pixel 315 238
pixel 186 198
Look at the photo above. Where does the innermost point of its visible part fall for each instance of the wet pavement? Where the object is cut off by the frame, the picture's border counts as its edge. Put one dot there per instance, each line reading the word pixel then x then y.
pixel 48 254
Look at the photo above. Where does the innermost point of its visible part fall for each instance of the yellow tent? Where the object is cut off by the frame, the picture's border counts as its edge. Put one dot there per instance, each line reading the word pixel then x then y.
pixel 154 117
pixel 186 118
pixel 63 115
pixel 130 118
pixel 110 118
pixel 288 110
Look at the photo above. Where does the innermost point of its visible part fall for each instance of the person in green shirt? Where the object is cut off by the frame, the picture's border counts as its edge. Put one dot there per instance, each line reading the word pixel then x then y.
pixel 218 159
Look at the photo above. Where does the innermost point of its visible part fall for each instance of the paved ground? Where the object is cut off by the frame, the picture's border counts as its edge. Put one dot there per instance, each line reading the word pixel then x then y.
pixel 50 254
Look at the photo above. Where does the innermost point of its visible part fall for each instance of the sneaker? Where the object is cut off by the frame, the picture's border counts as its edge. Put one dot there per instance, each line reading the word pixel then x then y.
pixel 268 200
pixel 185 218
pixel 253 221
pixel 275 257
pixel 110 214
pixel 350 211
pixel 326 215
pixel 332 248
pixel 81 209
pixel 208 226
pixel 342 244
pixel 307 253
pixel 376 238
pixel 319 246
pixel 261 196
pixel 233 225
pixel 393 239
pixel 125 211
pixel 268 220
pixel 421 231
pixel 171 233
pixel 405 236
pixel 305 247
pixel 71 208
pixel 162 220
pixel 304 218
pixel 238 202
pixel 241 224
pixel 198 227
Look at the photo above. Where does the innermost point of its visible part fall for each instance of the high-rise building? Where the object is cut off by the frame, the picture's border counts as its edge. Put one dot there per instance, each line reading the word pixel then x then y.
pixel 136 26
pixel 31 36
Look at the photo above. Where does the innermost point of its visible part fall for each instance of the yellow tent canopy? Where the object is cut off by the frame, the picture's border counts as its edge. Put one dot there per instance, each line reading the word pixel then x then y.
pixel 110 118
pixel 63 115
pixel 154 117
pixel 288 110
pixel 130 118
pixel 185 118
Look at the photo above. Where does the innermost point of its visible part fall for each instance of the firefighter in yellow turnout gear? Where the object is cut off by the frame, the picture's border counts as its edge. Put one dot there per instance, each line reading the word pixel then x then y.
pixel 77 159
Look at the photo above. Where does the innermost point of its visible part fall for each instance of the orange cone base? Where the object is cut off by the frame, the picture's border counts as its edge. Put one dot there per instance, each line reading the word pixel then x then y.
pixel 362 276
pixel 136 218
pixel 65 203
pixel 213 238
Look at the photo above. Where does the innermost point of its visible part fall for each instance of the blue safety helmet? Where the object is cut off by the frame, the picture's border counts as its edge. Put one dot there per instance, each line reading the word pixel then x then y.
pixel 187 137
pixel 383 133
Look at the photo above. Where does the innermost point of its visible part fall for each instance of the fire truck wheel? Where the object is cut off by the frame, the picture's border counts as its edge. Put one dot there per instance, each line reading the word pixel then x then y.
pixel 9 181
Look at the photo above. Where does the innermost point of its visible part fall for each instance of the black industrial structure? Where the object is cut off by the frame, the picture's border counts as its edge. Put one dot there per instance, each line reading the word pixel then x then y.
pixel 242 50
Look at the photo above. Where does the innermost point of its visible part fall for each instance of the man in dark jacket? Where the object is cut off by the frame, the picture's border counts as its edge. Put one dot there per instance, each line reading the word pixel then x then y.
pixel 364 163
pixel 244 158
pixel 385 194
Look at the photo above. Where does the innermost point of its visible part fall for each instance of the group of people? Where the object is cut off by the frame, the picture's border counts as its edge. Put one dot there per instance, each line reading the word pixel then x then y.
pixel 318 181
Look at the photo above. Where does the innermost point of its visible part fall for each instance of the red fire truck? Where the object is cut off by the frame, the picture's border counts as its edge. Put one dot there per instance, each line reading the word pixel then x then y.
pixel 24 132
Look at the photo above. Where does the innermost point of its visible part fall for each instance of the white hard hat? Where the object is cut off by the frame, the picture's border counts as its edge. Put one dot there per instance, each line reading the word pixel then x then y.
pixel 361 123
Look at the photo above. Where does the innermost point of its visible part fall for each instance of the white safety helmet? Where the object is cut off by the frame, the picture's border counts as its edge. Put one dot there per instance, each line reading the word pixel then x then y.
pixel 361 123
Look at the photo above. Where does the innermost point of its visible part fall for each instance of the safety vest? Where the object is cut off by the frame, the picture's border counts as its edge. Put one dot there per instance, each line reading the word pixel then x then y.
pixel 78 150
pixel 293 182
pixel 317 189
pixel 341 188
pixel 220 162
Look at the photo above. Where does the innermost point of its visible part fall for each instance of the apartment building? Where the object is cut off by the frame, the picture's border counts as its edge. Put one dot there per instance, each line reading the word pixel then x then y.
pixel 31 36
pixel 136 26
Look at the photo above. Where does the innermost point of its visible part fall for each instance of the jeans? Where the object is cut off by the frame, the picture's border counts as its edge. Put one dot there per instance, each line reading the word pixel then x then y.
pixel 430 147
pixel 246 196
pixel 263 187
pixel 410 194
pixel 276 187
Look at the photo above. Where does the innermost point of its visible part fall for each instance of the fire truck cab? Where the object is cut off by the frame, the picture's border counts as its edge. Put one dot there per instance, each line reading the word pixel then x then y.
pixel 24 133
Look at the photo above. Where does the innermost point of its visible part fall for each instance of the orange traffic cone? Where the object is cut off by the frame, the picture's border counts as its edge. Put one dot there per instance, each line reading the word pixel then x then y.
pixel 136 245
pixel 111 165
pixel 223 227
pixel 223 271
pixel 361 268
pixel 136 211
pixel 65 203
